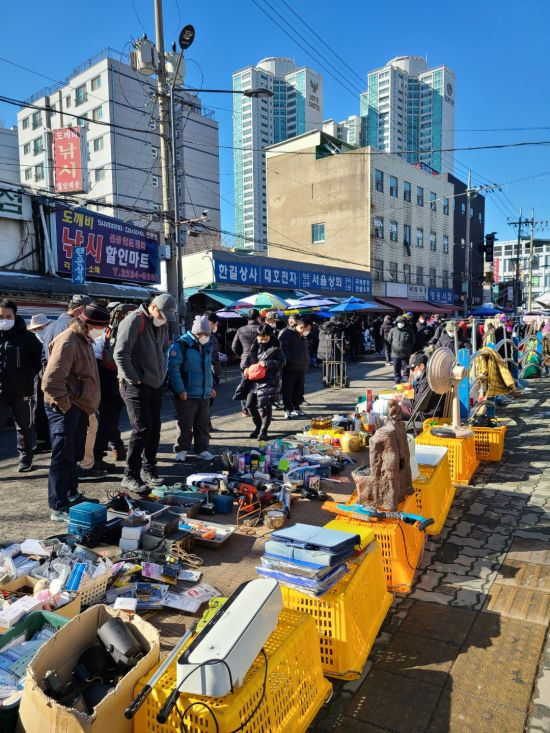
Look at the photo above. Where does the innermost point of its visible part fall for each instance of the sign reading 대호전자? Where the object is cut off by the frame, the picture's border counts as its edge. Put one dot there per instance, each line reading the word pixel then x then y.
pixel 115 250
pixel 69 159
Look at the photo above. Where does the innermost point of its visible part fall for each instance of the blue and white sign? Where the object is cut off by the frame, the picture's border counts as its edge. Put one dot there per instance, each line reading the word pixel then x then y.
pixel 78 266
pixel 273 276
pixel 443 296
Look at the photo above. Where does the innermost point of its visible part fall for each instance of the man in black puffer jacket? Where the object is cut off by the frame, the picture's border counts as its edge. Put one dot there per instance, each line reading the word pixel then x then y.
pixel 243 341
pixel 20 362
pixel 401 339
pixel 385 329
pixel 295 348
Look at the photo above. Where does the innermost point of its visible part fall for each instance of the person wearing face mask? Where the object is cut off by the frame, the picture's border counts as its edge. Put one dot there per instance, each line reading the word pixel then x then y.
pixel 76 304
pixel 38 325
pixel 418 365
pixel 140 356
pixel 71 395
pixel 272 321
pixel 20 362
pixel 424 334
pixel 191 381
pixel 293 341
pixel 261 393
pixel 242 343
pixel 401 340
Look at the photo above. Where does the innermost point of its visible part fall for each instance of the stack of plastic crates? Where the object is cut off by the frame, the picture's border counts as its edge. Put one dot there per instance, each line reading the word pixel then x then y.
pixel 295 690
pixel 489 441
pixel 463 460
pixel 349 615
pixel 434 493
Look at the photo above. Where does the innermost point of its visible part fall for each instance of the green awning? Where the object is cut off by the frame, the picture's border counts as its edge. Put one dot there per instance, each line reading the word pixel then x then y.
pixel 225 297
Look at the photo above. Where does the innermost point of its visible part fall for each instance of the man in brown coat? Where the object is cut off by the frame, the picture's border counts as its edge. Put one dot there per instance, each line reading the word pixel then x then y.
pixel 71 393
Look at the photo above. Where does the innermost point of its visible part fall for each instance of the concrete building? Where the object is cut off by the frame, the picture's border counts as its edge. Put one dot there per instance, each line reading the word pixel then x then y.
pixel 9 155
pixel 504 270
pixel 122 176
pixel 329 202
pixel 409 108
pixel 348 131
pixel 295 107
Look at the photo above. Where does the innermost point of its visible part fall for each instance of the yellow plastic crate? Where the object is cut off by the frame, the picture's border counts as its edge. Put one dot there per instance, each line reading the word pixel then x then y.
pixel 294 693
pixel 349 615
pixel 434 493
pixel 333 432
pixel 461 452
pixel 489 441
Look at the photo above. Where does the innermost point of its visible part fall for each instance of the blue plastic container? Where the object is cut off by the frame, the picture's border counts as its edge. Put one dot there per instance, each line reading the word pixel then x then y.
pixel 223 504
pixel 88 514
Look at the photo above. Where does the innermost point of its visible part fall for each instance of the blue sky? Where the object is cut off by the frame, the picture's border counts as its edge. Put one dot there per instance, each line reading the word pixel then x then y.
pixel 497 48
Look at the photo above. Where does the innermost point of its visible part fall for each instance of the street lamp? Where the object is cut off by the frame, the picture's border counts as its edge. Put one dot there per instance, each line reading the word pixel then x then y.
pixel 255 93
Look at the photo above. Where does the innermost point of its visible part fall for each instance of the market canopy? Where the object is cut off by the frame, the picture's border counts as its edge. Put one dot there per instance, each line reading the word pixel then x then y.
pixel 487 310
pixel 261 300
pixel 404 304
pixel 350 305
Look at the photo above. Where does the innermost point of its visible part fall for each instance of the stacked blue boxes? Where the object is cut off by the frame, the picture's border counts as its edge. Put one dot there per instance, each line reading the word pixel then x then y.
pixel 86 516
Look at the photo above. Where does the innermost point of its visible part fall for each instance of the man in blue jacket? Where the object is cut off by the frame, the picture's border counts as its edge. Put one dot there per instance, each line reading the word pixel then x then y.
pixel 190 379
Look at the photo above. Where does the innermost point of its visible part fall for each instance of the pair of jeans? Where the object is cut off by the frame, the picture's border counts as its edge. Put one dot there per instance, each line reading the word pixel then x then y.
pixel 41 427
pixel 108 413
pixel 194 424
pixel 293 388
pixel 387 351
pixel 400 369
pixel 261 414
pixel 68 437
pixel 143 404
pixel 22 409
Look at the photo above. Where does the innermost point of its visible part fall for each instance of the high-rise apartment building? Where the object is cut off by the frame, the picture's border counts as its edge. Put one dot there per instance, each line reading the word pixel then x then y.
pixel 409 108
pixel 348 131
pixel 122 166
pixel 9 155
pixel 295 107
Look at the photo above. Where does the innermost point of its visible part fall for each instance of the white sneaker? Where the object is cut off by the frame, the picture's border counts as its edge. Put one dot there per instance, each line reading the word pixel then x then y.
pixel 206 455
pixel 181 456
pixel 288 415
pixel 295 413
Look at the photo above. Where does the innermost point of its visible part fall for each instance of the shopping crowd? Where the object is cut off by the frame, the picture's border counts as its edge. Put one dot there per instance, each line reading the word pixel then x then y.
pixel 67 380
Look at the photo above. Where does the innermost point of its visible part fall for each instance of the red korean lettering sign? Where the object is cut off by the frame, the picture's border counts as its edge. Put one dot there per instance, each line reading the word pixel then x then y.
pixel 69 167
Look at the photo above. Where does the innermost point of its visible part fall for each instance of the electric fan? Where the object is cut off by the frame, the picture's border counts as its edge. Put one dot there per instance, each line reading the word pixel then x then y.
pixel 444 375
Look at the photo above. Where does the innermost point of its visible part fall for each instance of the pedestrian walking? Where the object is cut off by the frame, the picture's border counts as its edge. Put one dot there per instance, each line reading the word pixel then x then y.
pixel 140 356
pixel 401 340
pixel 385 329
pixel 20 362
pixel 71 394
pixel 242 343
pixel 377 336
pixel 293 341
pixel 191 381
pixel 38 324
pixel 424 334
pixel 76 304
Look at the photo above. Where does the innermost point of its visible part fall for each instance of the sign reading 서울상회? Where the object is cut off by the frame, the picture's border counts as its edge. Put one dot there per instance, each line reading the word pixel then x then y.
pixel 115 250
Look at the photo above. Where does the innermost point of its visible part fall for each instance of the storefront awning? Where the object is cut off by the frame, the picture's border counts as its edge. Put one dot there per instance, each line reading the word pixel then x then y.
pixel 432 308
pixel 404 304
pixel 223 297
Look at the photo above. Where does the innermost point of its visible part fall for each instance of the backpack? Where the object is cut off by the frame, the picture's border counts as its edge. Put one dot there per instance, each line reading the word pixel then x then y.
pixel 111 333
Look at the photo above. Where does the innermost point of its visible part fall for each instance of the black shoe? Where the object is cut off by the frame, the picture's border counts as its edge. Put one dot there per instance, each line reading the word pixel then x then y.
pixel 150 477
pixel 212 429
pixel 78 498
pixel 262 435
pixel 102 465
pixel 42 448
pixel 94 472
pixel 136 487
pixel 25 465
pixel 255 433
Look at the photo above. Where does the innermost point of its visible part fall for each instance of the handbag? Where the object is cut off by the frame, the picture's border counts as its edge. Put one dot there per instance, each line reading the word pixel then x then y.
pixel 256 372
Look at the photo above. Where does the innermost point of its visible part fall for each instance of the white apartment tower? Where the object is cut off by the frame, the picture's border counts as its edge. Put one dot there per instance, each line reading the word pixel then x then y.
pixel 295 107
pixel 123 167
pixel 9 155
pixel 409 108
pixel 348 131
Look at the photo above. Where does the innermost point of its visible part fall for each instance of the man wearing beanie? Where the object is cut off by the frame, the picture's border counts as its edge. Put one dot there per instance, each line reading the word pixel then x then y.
pixel 190 379
pixel 140 356
pixel 71 393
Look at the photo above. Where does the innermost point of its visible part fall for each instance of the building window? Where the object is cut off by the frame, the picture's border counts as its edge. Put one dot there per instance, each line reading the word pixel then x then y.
pixel 445 243
pixel 155 181
pixel 98 144
pixel 154 152
pixel 26 148
pixel 419 237
pixel 37 146
pixel 97 114
pixel 393 231
pixel 80 95
pixel 393 271
pixel 445 282
pixel 393 187
pixel 379 270
pixel 28 174
pixel 407 273
pixel 407 234
pixel 25 123
pixel 95 83
pixel 480 217
pixel 99 174
pixel 433 241
pixel 67 102
pixel 446 207
pixel 419 196
pixel 379 180
pixel 39 172
pixel 406 191
pixel 156 207
pixel 432 277
pixel 379 227
pixel 419 275
pixel 463 208
pixel 433 200
pixel 36 120
pixel 317 233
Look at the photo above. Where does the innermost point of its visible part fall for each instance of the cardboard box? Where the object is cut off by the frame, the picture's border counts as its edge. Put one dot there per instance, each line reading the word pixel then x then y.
pixel 41 714
pixel 26 584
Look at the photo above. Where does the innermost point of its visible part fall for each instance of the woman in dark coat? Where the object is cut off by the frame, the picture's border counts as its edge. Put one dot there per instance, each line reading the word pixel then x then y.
pixel 260 394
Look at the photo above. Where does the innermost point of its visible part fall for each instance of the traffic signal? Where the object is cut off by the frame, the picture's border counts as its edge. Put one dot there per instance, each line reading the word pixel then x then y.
pixel 489 246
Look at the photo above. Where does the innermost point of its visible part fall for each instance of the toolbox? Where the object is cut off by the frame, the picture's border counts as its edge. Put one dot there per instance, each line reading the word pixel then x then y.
pixel 164 523
pixel 88 514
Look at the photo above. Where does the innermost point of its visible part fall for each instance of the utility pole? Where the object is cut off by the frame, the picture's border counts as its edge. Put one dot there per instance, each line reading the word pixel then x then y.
pixel 517 281
pixel 531 248
pixel 466 288
pixel 164 131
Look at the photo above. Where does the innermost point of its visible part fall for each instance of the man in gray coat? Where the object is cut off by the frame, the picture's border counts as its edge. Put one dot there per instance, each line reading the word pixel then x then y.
pixel 140 356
